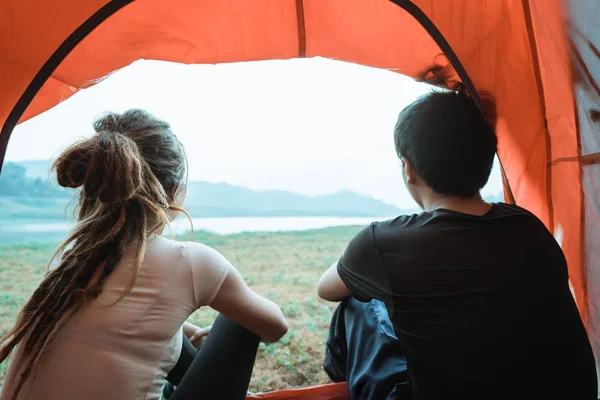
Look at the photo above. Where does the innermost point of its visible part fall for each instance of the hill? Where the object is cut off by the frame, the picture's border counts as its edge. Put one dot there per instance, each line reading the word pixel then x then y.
pixel 222 199
pixel 26 192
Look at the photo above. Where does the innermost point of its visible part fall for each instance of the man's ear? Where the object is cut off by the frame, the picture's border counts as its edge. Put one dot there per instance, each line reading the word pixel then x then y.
pixel 411 175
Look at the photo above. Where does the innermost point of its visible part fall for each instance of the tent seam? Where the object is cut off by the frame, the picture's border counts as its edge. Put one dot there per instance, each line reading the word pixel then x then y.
pixel 587 159
pixel 301 25
pixel 541 98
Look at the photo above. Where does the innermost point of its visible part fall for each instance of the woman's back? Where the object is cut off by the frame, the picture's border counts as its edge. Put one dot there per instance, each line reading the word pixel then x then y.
pixel 105 322
pixel 125 349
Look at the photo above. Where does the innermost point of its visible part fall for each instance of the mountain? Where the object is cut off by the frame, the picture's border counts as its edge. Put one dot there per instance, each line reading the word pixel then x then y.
pixel 26 192
pixel 222 199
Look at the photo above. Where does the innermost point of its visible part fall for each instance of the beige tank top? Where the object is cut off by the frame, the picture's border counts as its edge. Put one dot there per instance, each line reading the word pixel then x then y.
pixel 125 351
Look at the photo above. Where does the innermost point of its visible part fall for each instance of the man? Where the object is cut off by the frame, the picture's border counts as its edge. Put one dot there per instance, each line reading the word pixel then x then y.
pixel 477 293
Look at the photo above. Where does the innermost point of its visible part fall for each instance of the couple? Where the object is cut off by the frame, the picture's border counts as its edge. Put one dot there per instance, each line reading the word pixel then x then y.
pixel 466 300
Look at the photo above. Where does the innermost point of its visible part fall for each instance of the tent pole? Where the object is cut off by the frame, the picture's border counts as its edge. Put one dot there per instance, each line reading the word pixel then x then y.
pixel 50 66
pixel 437 36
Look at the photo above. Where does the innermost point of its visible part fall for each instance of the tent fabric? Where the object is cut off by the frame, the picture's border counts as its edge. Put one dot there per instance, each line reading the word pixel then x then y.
pixel 584 49
pixel 333 391
pixel 539 59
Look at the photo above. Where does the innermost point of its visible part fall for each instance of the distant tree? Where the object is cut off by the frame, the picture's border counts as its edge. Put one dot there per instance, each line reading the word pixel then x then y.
pixel 14 182
pixel 12 178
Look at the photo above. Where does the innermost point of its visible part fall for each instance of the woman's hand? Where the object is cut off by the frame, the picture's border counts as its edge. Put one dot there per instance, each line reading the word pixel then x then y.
pixel 200 335
pixel 196 334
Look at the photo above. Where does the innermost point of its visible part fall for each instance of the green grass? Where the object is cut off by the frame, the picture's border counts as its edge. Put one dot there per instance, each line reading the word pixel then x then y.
pixel 283 267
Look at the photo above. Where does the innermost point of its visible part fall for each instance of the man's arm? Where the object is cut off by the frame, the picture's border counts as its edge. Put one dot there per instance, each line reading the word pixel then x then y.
pixel 359 273
pixel 331 287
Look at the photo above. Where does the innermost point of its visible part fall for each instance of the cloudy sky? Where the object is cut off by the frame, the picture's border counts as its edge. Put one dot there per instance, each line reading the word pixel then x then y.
pixel 312 126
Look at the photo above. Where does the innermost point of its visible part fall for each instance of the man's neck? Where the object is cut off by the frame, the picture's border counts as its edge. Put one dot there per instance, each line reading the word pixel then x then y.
pixel 474 205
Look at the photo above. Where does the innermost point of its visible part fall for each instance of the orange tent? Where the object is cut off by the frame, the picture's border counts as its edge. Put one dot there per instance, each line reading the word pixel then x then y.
pixel 540 59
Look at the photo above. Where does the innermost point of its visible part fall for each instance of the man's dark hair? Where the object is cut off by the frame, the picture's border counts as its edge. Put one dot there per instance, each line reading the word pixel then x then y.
pixel 449 142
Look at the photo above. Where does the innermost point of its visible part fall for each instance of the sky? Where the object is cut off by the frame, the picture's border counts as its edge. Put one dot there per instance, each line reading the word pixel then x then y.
pixel 311 126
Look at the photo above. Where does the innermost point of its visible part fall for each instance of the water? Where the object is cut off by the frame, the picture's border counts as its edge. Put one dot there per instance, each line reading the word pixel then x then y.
pixel 225 226
pixel 24 231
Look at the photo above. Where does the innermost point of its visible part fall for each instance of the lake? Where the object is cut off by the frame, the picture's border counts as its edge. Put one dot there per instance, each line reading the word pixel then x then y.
pixel 24 231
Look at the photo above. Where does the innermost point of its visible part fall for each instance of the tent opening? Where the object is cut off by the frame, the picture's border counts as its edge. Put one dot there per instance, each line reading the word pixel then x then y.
pixel 279 147
pixel 538 59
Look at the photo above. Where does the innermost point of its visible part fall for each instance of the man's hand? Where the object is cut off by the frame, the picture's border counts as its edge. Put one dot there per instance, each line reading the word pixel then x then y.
pixel 196 334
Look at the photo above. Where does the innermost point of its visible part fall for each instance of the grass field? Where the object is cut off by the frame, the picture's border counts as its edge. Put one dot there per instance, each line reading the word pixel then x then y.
pixel 283 267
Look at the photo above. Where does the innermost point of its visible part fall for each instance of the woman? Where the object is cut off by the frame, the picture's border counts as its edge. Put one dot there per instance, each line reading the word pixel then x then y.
pixel 106 322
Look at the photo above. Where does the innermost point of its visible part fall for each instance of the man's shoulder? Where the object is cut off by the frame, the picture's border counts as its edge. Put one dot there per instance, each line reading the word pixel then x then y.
pixel 504 209
pixel 404 221
pixel 432 221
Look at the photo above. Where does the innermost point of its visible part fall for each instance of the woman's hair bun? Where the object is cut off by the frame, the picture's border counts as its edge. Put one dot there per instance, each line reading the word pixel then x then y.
pixel 109 122
pixel 108 165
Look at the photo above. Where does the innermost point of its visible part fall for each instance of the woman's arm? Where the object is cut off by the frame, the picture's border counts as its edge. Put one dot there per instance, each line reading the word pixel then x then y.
pixel 257 314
